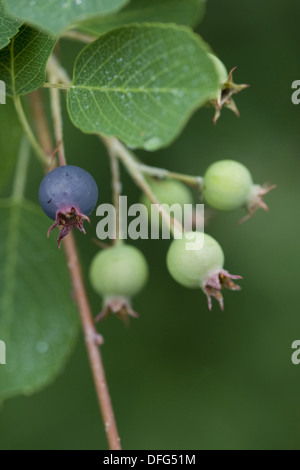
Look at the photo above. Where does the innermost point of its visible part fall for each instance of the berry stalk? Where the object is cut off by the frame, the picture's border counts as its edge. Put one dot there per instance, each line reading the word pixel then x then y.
pixel 190 180
pixel 39 152
pixel 56 116
pixel 116 190
pixel 128 159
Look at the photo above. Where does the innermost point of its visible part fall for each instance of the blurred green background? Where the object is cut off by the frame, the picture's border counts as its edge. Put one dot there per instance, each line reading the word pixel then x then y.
pixel 182 377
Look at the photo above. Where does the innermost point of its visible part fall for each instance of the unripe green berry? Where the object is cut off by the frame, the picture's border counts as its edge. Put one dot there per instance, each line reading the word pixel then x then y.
pixel 192 268
pixel 220 68
pixel 227 185
pixel 200 267
pixel 120 271
pixel 168 191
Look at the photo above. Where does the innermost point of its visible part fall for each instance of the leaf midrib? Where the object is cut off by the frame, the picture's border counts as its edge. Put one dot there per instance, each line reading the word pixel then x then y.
pixel 105 89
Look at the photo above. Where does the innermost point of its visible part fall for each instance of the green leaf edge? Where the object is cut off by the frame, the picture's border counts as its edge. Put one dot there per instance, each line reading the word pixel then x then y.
pixel 68 28
pixel 18 24
pixel 55 40
pixel 201 11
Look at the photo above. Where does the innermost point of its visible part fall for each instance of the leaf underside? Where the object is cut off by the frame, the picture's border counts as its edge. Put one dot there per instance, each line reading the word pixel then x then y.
pixel 55 16
pixel 141 83
pixel 184 12
pixel 23 61
pixel 38 320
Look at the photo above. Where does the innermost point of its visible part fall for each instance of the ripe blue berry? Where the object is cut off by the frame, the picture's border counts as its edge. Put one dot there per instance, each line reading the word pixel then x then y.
pixel 200 268
pixel 68 195
pixel 228 185
pixel 117 274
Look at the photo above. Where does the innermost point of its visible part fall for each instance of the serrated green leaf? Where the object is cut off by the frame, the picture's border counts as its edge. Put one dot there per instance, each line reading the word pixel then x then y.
pixel 8 26
pixel 141 83
pixel 184 12
pixel 56 16
pixel 23 61
pixel 38 318
pixel 10 136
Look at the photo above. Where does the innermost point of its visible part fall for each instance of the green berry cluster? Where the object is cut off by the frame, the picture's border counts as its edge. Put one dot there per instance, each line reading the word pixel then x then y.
pixel 120 272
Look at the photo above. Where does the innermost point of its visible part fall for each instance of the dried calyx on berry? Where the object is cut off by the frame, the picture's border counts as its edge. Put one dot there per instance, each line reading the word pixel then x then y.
pixel 68 195
pixel 118 274
pixel 228 185
pixel 255 199
pixel 227 89
pixel 200 267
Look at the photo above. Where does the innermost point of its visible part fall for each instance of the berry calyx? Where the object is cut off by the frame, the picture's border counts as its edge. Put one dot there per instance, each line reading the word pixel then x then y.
pixel 228 185
pixel 227 89
pixel 255 200
pixel 118 274
pixel 201 267
pixel 68 195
